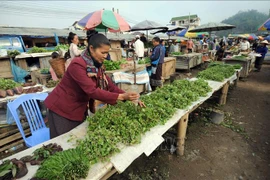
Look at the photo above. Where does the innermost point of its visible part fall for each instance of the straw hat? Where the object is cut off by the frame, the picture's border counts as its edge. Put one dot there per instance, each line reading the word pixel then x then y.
pixel 264 42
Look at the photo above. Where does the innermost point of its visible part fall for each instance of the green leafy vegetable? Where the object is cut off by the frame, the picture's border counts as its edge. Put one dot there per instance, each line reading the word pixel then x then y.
pixel 177 53
pixel 37 50
pixel 6 84
pixel 13 53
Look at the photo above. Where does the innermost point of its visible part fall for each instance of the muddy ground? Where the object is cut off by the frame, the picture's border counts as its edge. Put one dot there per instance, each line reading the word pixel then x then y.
pixel 239 148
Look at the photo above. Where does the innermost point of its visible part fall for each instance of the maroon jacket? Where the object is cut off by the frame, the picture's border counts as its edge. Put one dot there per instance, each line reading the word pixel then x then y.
pixel 71 96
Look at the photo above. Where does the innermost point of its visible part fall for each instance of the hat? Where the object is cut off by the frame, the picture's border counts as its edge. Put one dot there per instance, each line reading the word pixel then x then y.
pixel 205 44
pixel 170 40
pixel 264 42
pixel 137 36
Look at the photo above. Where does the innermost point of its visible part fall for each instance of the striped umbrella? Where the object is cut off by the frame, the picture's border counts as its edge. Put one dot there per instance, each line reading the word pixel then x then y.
pixel 104 20
pixel 265 26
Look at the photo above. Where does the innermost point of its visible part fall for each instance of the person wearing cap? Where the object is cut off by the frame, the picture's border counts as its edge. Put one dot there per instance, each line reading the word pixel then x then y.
pixel 171 47
pixel 139 47
pixel 244 45
pixel 262 50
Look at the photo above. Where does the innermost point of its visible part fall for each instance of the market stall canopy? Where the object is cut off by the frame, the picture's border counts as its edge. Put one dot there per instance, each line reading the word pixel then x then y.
pixel 265 26
pixel 170 29
pixel 209 27
pixel 104 20
pixel 50 32
pixel 185 33
pixel 247 36
pixel 267 38
pixel 147 25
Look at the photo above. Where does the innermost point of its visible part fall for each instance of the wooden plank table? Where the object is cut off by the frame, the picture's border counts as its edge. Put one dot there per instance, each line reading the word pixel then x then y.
pixel 149 142
pixel 188 61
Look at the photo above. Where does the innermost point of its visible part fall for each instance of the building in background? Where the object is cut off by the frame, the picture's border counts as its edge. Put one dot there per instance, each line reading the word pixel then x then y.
pixel 189 21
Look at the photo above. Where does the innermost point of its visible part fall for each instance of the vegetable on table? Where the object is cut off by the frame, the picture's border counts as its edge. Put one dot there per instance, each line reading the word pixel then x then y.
pixel 13 53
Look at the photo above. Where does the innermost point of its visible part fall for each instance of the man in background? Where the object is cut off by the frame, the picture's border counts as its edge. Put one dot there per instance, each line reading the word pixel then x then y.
pixel 244 45
pixel 139 47
pixel 143 39
pixel 190 45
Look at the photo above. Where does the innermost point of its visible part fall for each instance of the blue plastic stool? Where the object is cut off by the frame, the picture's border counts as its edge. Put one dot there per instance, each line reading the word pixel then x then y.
pixel 40 133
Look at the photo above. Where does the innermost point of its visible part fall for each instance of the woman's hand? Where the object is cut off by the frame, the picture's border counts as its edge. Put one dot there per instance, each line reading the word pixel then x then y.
pixel 130 96
pixel 141 104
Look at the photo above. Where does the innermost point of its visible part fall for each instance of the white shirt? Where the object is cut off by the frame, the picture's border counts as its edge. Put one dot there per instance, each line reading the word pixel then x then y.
pixel 245 45
pixel 139 48
pixel 74 51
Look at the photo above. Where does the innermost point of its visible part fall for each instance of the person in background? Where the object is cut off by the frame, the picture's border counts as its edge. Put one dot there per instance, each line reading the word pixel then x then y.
pixel 262 50
pixel 176 46
pixel 54 55
pixel 162 42
pixel 171 47
pixel 190 45
pixel 73 50
pixel 255 45
pixel 139 47
pixel 143 39
pixel 244 45
pixel 83 83
pixel 157 59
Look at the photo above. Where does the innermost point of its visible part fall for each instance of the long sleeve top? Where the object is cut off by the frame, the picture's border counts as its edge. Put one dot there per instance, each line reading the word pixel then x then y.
pixel 70 97
pixel 74 51
pixel 139 48
pixel 262 50
pixel 158 54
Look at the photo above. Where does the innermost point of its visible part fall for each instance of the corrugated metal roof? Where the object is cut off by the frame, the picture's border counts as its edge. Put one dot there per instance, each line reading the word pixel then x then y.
pixel 49 32
pixel 184 17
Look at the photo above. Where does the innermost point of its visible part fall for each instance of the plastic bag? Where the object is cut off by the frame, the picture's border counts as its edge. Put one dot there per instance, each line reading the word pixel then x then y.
pixel 18 73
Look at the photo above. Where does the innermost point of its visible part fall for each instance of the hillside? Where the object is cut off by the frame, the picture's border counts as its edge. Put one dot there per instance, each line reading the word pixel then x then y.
pixel 245 22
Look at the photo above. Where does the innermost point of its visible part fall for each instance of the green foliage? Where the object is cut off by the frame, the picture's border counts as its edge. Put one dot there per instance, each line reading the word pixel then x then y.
pixel 245 22
pixel 6 84
pixel 145 60
pixel 237 66
pixel 37 50
pixel 7 167
pixel 240 57
pixel 125 122
pixel 70 164
pixel 217 72
pixel 13 53
pixel 113 65
pixel 62 46
pixel 45 71
pixel 177 53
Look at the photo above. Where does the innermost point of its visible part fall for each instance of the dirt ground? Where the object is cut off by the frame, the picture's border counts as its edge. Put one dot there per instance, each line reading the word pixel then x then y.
pixel 239 148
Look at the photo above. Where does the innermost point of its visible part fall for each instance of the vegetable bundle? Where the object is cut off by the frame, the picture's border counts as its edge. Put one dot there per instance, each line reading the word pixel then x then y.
pixel 113 65
pixel 37 50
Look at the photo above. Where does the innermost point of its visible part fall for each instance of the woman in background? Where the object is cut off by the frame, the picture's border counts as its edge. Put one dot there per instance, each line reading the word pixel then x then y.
pixel 73 51
pixel 262 50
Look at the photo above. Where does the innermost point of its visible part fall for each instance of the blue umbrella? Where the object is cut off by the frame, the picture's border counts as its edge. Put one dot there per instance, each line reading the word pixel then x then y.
pixel 265 26
pixel 267 38
pixel 182 33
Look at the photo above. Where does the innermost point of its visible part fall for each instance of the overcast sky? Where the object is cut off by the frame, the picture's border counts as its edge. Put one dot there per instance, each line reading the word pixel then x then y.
pixel 62 14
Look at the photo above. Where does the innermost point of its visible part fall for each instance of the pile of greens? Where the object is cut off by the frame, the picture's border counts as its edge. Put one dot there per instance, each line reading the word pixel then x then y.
pixel 124 123
pixel 61 46
pixel 13 53
pixel 242 57
pixel 113 65
pixel 217 72
pixel 6 84
pixel 177 53
pixel 45 71
pixel 37 50
pixel 145 60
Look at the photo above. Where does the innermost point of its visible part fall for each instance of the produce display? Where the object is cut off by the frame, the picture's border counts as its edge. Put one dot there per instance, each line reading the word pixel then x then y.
pixel 69 164
pixel 145 60
pixel 242 57
pixel 45 71
pixel 113 65
pixel 218 72
pixel 62 46
pixel 37 50
pixel 13 53
pixel 177 53
pixel 52 83
pixel 9 87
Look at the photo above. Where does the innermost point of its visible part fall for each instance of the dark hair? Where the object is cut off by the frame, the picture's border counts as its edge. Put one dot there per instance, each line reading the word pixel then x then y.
pixel 54 55
pixel 96 40
pixel 71 36
pixel 161 41
pixel 157 39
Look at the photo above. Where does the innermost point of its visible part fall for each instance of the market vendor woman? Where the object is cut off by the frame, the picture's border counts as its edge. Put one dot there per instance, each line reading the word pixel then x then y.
pixel 262 50
pixel 83 83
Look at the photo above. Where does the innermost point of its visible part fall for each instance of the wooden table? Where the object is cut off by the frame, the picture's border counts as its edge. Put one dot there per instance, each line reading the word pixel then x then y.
pixel 149 141
pixel 188 61
pixel 246 64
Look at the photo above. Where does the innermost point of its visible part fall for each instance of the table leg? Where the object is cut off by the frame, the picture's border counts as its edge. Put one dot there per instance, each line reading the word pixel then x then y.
pixel 109 174
pixel 181 134
pixel 237 79
pixel 224 93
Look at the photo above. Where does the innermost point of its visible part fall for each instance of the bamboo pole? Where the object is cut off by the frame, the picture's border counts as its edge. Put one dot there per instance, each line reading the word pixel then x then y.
pixel 181 134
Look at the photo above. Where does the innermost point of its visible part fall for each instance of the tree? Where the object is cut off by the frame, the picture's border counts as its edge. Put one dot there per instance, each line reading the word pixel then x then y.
pixel 245 22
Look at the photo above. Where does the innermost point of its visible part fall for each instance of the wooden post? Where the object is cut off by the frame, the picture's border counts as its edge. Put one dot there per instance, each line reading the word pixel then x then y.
pixel 181 134
pixel 109 174
pixel 224 93
pixel 237 79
